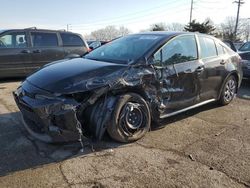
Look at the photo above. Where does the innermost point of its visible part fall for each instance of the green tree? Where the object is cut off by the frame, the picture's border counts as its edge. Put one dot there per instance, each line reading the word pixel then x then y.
pixel 204 27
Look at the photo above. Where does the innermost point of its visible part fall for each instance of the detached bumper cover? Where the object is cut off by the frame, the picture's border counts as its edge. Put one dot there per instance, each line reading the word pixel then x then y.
pixel 49 120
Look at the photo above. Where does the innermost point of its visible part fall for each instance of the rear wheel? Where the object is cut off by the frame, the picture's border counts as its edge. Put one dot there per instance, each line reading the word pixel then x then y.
pixel 131 118
pixel 228 91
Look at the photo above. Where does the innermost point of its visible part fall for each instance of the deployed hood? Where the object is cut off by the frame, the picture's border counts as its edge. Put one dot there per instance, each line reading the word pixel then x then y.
pixel 73 75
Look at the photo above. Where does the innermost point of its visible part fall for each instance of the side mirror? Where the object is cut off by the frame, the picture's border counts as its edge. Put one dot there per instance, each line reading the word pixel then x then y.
pixel 91 48
pixel 150 60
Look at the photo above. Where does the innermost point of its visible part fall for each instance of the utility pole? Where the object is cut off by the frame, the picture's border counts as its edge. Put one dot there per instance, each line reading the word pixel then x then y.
pixel 191 11
pixel 68 25
pixel 239 2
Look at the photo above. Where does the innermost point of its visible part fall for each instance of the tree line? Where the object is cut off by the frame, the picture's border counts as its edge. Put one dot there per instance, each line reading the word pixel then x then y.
pixel 223 31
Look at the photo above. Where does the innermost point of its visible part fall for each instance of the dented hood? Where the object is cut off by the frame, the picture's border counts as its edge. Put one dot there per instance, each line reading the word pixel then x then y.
pixel 73 75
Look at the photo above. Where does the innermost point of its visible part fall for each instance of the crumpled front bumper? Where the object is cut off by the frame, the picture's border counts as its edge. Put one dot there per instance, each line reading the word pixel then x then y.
pixel 49 120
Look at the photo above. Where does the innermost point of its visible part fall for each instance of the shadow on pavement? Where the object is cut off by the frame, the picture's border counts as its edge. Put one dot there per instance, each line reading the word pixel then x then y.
pixel 244 92
pixel 20 151
pixel 7 80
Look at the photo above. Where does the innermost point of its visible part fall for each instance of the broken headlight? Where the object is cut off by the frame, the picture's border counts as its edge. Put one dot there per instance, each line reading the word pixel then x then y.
pixel 79 97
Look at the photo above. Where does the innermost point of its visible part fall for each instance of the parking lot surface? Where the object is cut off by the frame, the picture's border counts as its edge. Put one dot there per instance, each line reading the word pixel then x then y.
pixel 205 147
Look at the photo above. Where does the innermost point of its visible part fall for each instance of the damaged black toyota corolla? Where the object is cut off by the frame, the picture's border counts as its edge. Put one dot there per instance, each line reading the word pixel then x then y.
pixel 125 85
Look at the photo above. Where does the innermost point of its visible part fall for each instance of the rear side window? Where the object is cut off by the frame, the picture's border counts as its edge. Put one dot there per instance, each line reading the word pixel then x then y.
pixel 220 49
pixel 208 48
pixel 71 40
pixel 13 40
pixel 44 39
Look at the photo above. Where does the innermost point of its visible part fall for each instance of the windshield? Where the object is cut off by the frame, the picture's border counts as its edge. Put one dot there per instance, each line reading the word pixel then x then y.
pixel 245 47
pixel 125 49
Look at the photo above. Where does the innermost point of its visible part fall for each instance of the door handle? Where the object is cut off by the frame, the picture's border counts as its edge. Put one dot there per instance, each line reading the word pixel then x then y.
pixel 223 62
pixel 188 71
pixel 200 69
pixel 25 51
pixel 37 51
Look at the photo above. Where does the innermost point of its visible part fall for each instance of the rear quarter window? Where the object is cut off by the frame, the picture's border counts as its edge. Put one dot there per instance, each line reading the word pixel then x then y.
pixel 71 40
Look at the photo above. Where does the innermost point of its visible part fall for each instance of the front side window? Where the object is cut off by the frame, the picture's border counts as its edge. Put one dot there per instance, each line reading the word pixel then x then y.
pixel 178 50
pixel 44 39
pixel 71 40
pixel 208 48
pixel 13 40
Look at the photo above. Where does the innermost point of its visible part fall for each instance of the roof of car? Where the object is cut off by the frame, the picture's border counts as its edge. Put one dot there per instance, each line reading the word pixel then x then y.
pixel 168 33
pixel 162 33
pixel 2 30
pixel 36 29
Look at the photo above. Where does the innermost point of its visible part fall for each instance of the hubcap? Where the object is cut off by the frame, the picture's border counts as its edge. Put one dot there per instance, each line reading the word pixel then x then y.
pixel 229 90
pixel 132 118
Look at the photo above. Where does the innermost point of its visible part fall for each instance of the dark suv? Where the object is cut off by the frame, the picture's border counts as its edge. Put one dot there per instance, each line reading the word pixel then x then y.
pixel 24 50
pixel 124 86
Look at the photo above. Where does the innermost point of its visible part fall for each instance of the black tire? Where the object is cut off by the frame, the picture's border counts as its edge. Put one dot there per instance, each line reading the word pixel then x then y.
pixel 131 118
pixel 228 91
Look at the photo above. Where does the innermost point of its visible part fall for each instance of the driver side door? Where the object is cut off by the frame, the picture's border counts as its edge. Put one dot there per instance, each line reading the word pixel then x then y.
pixel 178 71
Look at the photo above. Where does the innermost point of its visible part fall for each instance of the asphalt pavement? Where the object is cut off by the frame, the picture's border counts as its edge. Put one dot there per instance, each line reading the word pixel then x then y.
pixel 205 147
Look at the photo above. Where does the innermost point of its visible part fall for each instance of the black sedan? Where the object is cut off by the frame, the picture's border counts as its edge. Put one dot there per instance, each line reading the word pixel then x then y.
pixel 124 86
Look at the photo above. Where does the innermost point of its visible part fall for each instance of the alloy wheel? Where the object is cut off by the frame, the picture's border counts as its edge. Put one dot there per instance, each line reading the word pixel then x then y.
pixel 230 90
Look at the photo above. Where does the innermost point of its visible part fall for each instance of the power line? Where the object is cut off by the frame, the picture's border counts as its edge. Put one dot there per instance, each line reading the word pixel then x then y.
pixel 120 18
pixel 68 27
pixel 209 8
pixel 130 21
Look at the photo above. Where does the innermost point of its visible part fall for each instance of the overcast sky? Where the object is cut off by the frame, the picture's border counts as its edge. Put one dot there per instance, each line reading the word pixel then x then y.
pixel 85 16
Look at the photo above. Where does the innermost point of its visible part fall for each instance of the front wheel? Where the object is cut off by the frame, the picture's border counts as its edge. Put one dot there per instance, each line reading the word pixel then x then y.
pixel 131 118
pixel 228 91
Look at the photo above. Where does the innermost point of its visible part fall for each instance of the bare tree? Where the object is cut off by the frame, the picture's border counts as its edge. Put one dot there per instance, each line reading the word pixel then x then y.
pixel 175 27
pixel 123 31
pixel 245 28
pixel 227 29
pixel 109 33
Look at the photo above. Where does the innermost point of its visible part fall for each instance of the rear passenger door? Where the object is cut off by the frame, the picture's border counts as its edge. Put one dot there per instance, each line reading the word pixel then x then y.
pixel 45 48
pixel 178 73
pixel 14 53
pixel 73 44
pixel 213 57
